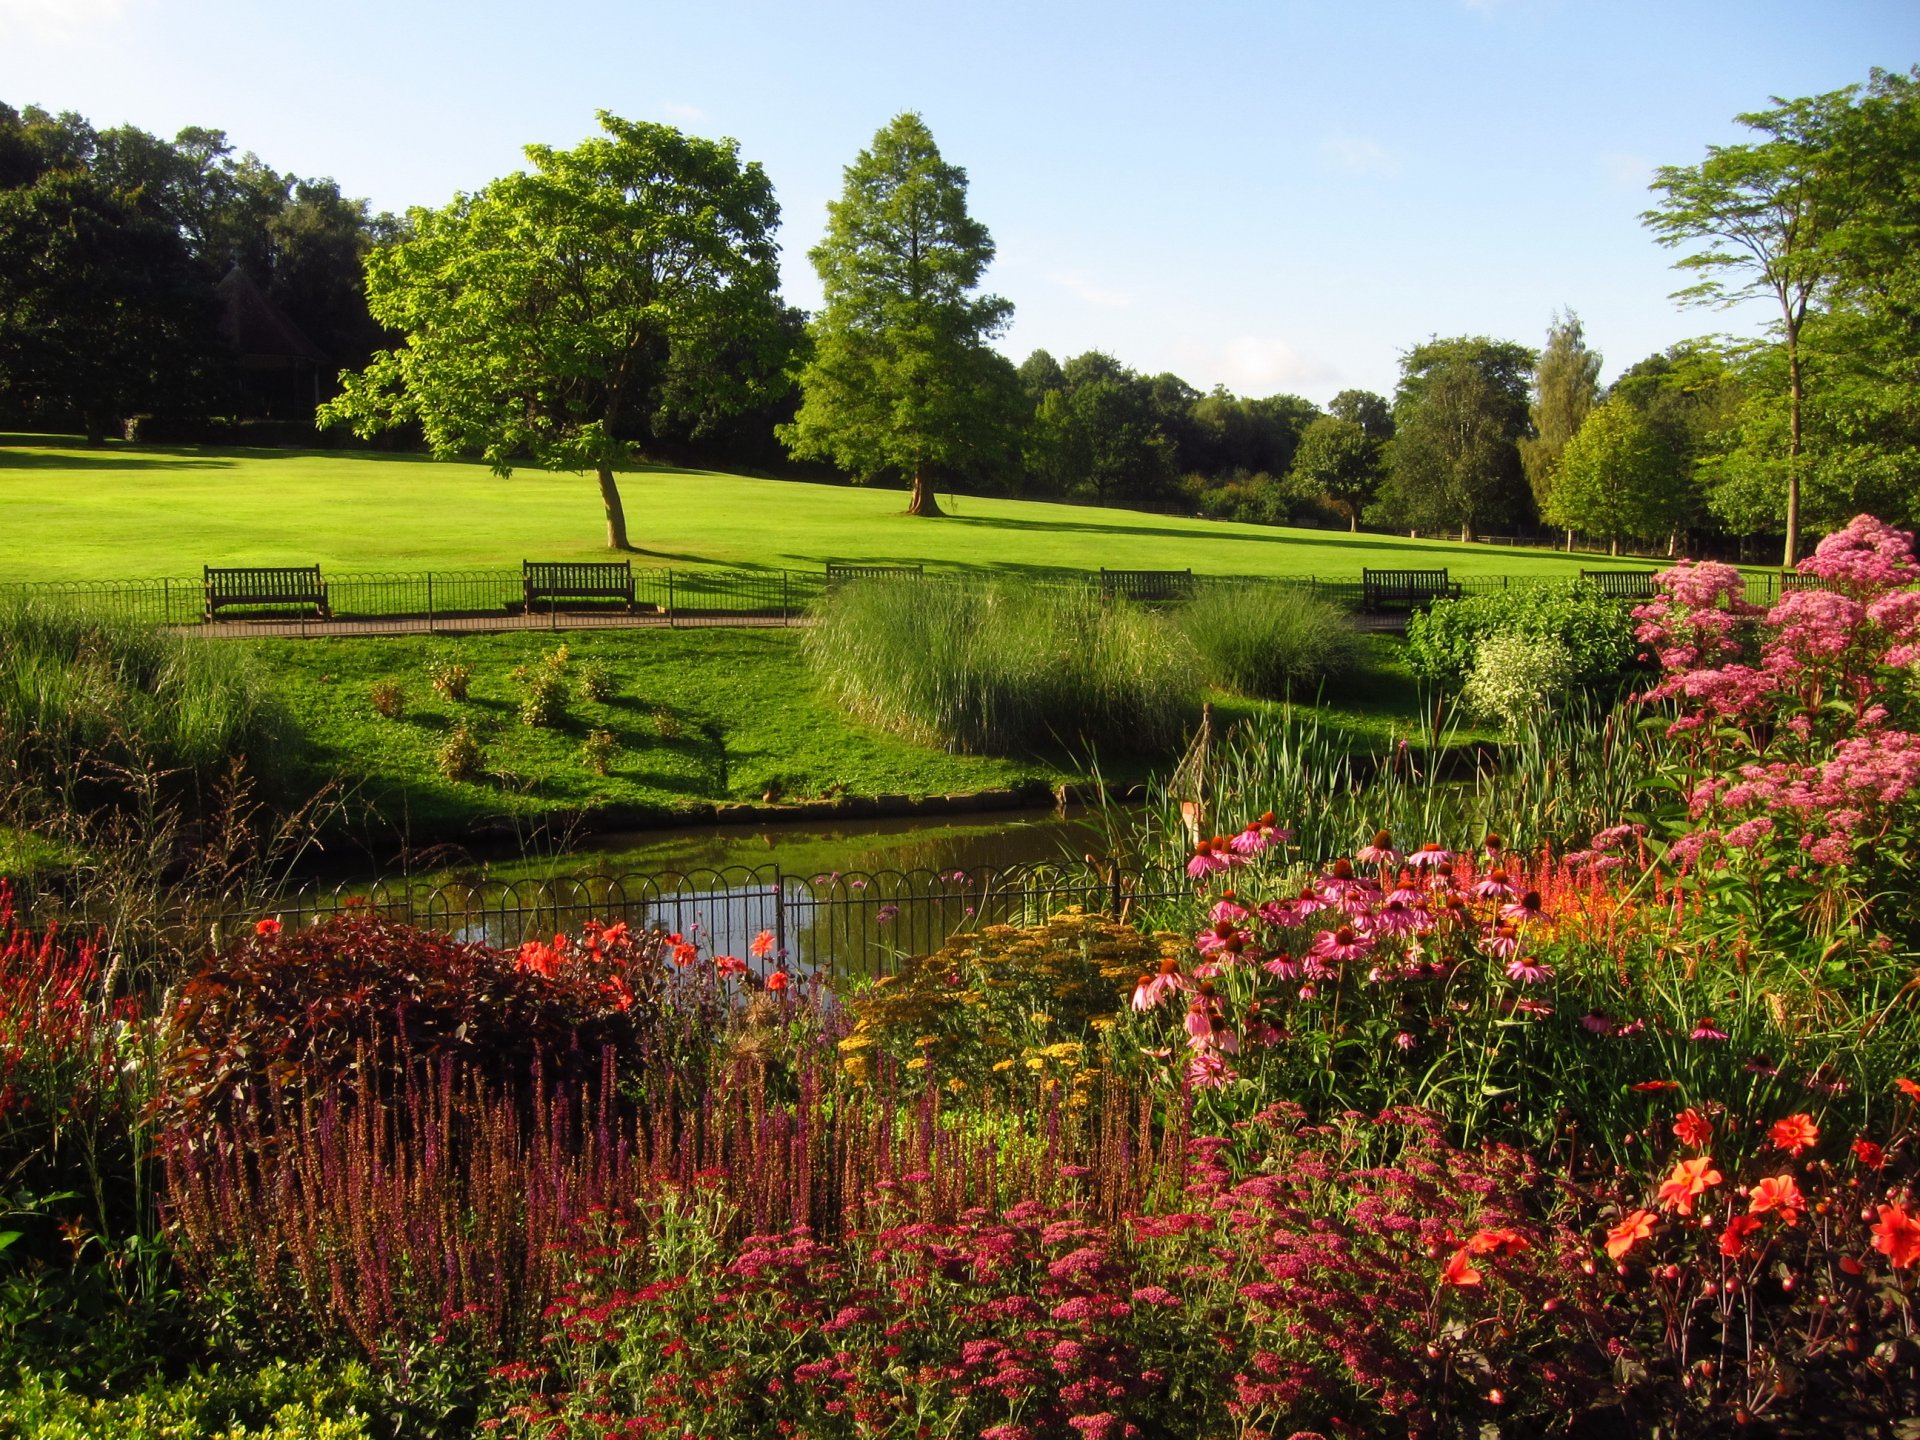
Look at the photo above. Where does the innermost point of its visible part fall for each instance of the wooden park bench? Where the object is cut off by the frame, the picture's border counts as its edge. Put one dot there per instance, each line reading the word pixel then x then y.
pixel 1149 587
pixel 839 572
pixel 1383 590
pixel 1620 584
pixel 577 580
pixel 265 585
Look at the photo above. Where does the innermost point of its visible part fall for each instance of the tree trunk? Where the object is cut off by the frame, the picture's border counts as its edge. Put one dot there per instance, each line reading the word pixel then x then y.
pixel 1793 451
pixel 1569 542
pixel 96 430
pixel 1673 542
pixel 924 501
pixel 1613 547
pixel 1466 531
pixel 1353 522
pixel 616 512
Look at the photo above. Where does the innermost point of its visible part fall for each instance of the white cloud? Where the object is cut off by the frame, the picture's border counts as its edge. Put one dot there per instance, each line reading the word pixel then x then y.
pixel 1626 172
pixel 1077 285
pixel 1359 155
pixel 61 21
pixel 1251 364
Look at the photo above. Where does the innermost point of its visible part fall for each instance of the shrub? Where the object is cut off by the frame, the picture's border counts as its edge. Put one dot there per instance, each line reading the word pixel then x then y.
pixel 460 757
pixel 389 698
pixel 595 682
pixel 545 703
pixel 1004 668
pixel 310 1401
pixel 1516 679
pixel 598 751
pixel 1270 641
pixel 450 679
pixel 79 691
pixel 1596 633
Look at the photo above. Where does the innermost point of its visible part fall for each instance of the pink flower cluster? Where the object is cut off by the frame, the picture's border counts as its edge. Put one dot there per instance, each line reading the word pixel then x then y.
pixel 1802 688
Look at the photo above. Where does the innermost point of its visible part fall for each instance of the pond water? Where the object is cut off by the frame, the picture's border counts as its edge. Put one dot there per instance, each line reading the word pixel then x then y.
pixel 849 896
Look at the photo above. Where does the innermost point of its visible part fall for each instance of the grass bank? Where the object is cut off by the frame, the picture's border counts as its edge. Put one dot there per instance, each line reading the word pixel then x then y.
pixel 127 511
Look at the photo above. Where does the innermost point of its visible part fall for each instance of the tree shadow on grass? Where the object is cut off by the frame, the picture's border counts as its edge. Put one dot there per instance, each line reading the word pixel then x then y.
pixel 12 458
pixel 1344 542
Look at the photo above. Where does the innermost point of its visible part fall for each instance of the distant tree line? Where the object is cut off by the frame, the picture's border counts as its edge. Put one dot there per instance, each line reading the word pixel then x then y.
pixel 621 297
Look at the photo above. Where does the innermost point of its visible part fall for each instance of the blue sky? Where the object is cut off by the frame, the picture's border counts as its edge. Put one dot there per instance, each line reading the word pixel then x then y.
pixel 1271 196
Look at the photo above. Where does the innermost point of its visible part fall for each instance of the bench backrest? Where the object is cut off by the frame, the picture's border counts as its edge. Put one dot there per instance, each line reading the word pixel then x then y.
pixel 263 583
pixel 578 577
pixel 1147 584
pixel 838 571
pixel 1621 584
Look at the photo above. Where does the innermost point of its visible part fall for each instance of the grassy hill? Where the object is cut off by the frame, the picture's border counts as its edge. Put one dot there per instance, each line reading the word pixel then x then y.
pixel 125 511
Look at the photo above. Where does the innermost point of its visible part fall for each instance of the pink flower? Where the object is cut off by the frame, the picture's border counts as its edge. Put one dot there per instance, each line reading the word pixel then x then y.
pixel 762 945
pixel 1207 1071
pixel 1380 852
pixel 1528 971
pixel 1495 886
pixel 1429 855
pixel 1341 945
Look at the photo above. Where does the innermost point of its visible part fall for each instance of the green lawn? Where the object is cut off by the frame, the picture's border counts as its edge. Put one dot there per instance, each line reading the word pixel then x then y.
pixel 70 513
pixel 700 716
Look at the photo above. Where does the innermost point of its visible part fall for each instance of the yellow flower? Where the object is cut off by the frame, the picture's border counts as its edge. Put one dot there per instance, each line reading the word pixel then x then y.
pixel 856 1042
pixel 999 1065
pixel 1034 1062
pixel 919 1062
pixel 956 1085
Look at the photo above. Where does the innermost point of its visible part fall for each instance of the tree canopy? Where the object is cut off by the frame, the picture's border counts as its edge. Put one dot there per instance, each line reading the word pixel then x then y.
pixel 1615 479
pixel 552 317
pixel 902 379
pixel 1566 385
pixel 1459 412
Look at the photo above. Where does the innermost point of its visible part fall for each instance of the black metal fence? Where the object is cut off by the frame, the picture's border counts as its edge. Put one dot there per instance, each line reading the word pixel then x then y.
pixel 838 923
pixel 480 599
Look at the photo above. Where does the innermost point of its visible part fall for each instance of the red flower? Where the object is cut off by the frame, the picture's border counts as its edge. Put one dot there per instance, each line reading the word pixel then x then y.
pixel 1781 1193
pixel 1497 1242
pixel 777 980
pixel 539 957
pixel 1897 1236
pixel 762 945
pixel 1733 1239
pixel 1646 1086
pixel 1869 1154
pixel 1794 1134
pixel 268 926
pixel 1693 1129
pixel 1623 1237
pixel 1689 1178
pixel 1459 1271
pixel 1907 1088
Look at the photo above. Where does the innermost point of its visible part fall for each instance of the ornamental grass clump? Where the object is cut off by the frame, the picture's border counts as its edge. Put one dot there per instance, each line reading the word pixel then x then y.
pixel 1000 669
pixel 1271 642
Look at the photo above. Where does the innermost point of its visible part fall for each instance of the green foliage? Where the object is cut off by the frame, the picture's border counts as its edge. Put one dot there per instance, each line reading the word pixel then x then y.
pixel 1617 478
pixel 280 1401
pixel 389 697
pixel 594 682
pixel 1459 413
pixel 450 678
pixel 1596 633
pixel 1099 434
pixel 1006 1006
pixel 902 378
pixel 549 317
pixel 1566 387
pixel 599 750
pixel 544 705
pixel 1000 669
pixel 1271 642
pixel 1517 679
pixel 82 693
pixel 1338 459
pixel 460 758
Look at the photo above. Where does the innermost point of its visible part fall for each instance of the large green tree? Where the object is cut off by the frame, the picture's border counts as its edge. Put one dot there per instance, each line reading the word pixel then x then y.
pixel 101 312
pixel 1459 412
pixel 1615 479
pixel 1339 460
pixel 1566 385
pixel 547 318
pixel 1763 219
pixel 902 379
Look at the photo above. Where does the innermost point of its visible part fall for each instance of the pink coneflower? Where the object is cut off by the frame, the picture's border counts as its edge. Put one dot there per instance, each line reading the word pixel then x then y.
pixel 1404 1041
pixel 1207 1028
pixel 1494 887
pixel 1282 965
pixel 1207 1071
pixel 1306 903
pixel 1594 1023
pixel 1631 1028
pixel 1316 968
pixel 1501 941
pixel 1397 918
pixel 1228 907
pixel 1527 970
pixel 1204 862
pixel 1429 855
pixel 1528 907
pixel 1705 1029
pixel 1406 891
pixel 1279 913
pixel 1257 835
pixel 1380 852
pixel 1343 945
pixel 1221 939
pixel 1339 880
